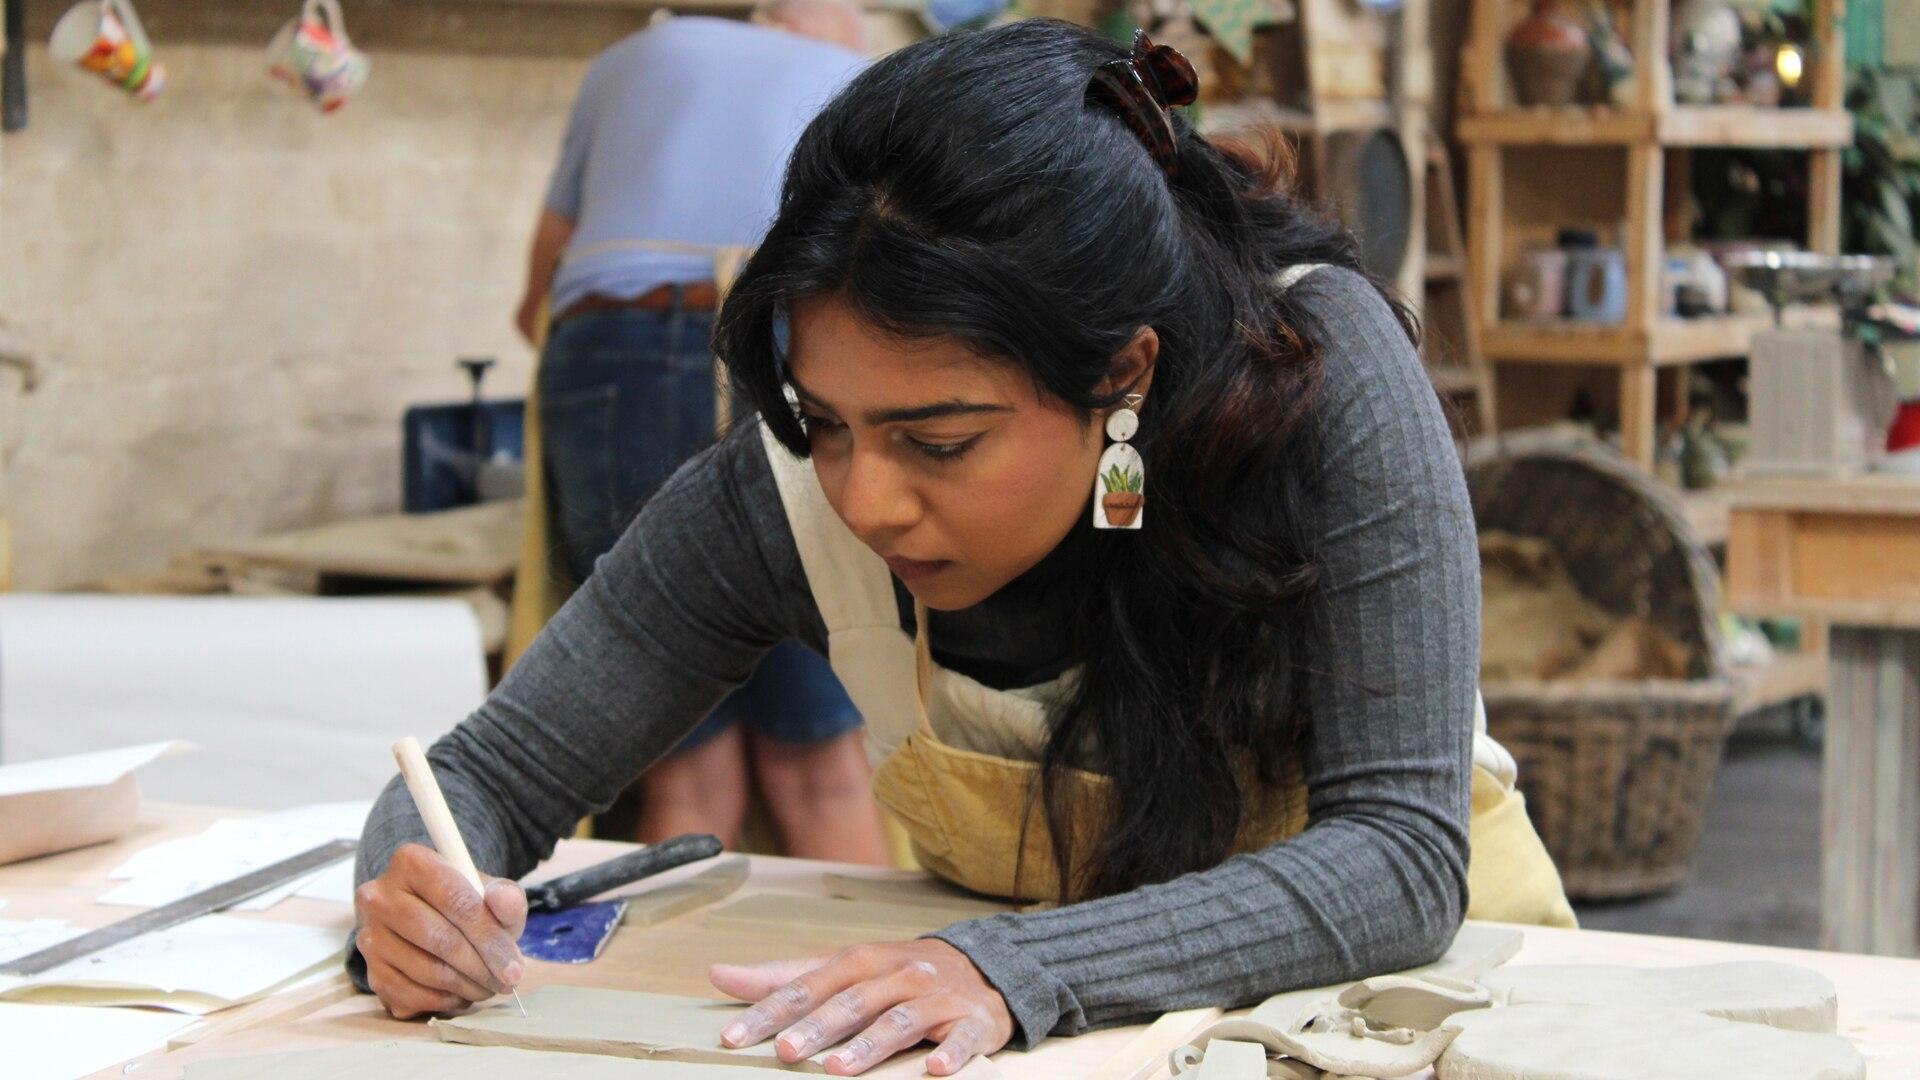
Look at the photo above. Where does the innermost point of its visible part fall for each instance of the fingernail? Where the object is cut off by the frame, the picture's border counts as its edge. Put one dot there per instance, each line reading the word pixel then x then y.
pixel 513 972
pixel 936 1061
pixel 837 1061
pixel 733 1034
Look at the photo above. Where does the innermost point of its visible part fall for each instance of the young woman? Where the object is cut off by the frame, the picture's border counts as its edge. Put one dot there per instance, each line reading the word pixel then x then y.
pixel 1009 289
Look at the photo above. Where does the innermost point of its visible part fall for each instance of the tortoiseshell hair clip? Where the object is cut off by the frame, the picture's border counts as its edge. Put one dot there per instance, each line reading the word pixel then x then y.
pixel 1140 90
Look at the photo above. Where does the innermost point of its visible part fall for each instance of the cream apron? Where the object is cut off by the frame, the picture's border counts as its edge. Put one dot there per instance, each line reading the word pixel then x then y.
pixel 956 761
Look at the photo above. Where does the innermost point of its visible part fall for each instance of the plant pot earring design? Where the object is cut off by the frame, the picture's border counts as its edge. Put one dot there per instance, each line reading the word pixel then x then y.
pixel 1119 491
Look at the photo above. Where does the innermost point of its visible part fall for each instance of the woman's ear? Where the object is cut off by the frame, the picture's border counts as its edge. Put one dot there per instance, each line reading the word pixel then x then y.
pixel 1131 369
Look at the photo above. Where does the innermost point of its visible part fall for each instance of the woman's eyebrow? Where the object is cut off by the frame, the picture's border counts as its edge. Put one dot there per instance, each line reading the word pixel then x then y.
pixel 931 411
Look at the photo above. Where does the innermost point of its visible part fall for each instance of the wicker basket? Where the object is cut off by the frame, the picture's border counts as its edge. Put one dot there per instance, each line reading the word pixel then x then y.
pixel 1616 773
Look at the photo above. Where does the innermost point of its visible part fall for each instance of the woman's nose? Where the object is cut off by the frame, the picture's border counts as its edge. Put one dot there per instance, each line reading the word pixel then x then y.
pixel 876 499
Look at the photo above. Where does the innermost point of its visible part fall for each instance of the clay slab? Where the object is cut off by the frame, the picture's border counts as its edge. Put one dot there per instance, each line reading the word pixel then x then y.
pixel 913 890
pixel 1777 995
pixel 620 1023
pixel 781 911
pixel 709 886
pixel 439 1061
pixel 1597 1042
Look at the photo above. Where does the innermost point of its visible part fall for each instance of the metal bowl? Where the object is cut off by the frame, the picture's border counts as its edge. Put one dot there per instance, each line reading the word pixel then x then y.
pixel 1801 277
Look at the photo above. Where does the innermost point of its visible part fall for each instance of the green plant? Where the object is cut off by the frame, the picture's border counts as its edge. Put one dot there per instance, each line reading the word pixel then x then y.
pixel 1122 481
pixel 1882 168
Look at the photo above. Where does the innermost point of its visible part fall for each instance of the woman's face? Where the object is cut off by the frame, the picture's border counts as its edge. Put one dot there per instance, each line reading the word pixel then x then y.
pixel 958 470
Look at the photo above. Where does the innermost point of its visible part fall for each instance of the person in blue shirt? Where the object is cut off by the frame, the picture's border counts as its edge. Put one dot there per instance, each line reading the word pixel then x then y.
pixel 674 150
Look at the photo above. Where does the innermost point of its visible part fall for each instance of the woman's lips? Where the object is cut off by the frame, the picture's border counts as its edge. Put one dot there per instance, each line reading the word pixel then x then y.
pixel 911 570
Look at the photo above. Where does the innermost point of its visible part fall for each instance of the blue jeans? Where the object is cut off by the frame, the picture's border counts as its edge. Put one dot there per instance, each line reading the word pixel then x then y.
pixel 626 396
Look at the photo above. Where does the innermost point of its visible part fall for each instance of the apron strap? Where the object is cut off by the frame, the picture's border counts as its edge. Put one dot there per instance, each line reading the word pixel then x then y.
pixel 922 664
pixel 853 590
pixel 851 585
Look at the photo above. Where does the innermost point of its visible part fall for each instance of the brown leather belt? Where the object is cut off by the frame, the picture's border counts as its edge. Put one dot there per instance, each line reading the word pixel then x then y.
pixel 694 296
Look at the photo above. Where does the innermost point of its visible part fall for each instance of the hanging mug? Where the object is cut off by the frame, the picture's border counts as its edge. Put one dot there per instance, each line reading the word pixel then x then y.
pixel 106 38
pixel 312 54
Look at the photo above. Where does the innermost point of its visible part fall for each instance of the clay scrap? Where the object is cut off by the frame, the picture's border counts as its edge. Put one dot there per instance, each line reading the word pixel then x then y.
pixel 1777 995
pixel 1754 1020
pixel 1421 1003
pixel 1599 1042
pixel 1228 1060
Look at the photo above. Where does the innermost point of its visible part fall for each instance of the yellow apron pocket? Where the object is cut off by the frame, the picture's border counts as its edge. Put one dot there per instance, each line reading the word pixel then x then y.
pixel 1510 876
pixel 901 786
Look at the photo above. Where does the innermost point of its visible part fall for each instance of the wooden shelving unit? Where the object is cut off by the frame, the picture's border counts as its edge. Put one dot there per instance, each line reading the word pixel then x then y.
pixel 1333 101
pixel 1620 171
pixel 1787 677
pixel 1356 73
pixel 1682 125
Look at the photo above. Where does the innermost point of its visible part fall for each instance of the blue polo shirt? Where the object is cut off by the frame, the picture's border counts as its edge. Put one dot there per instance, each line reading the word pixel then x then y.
pixel 681 132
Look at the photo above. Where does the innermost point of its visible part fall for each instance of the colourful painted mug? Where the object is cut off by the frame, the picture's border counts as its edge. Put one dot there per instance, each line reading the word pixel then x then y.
pixel 106 38
pixel 312 54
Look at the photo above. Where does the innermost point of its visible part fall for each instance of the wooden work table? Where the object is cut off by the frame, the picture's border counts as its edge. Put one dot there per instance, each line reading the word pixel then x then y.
pixel 1876 993
pixel 1846 552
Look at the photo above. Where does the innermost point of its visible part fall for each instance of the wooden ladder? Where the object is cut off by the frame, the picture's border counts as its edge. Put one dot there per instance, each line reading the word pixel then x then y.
pixel 1449 325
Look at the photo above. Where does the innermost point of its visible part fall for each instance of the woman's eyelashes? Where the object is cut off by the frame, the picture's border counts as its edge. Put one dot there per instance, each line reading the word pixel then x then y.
pixel 815 425
pixel 818 427
pixel 943 451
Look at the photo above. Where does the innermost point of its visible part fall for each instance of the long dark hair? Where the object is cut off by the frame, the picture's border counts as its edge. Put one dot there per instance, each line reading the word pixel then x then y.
pixel 965 188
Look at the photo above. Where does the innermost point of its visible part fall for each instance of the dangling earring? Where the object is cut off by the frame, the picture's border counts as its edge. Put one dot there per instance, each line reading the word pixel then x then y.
pixel 1119 491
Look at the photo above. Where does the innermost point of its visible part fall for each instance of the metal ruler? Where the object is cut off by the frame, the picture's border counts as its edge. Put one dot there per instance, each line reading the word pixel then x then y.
pixel 204 902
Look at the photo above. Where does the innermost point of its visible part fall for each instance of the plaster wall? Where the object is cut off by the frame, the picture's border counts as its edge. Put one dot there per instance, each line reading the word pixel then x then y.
pixel 232 298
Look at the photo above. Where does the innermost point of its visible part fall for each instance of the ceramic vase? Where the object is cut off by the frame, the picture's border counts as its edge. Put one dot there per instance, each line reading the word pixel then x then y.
pixel 1536 285
pixel 1548 55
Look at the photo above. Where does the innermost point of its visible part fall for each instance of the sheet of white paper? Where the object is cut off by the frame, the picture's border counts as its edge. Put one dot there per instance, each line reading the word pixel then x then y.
pixel 59 1042
pixel 165 872
pixel 291 700
pixel 334 884
pixel 212 961
pixel 20 937
pixel 82 770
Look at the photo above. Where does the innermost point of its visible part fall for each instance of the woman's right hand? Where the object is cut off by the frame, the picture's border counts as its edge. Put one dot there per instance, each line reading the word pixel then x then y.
pixel 431 945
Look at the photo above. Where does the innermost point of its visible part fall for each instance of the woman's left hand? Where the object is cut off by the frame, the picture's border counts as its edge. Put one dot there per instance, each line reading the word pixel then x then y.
pixel 887 997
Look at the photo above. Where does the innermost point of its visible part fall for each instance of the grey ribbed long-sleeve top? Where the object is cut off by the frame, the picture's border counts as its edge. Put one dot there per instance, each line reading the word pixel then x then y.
pixel 708 578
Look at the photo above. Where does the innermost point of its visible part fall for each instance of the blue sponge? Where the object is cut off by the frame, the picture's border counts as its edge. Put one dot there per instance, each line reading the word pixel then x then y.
pixel 573 936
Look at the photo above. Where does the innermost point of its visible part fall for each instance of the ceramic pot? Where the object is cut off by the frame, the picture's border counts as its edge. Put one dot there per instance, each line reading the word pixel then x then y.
pixel 1122 507
pixel 1597 285
pixel 1536 287
pixel 1548 55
